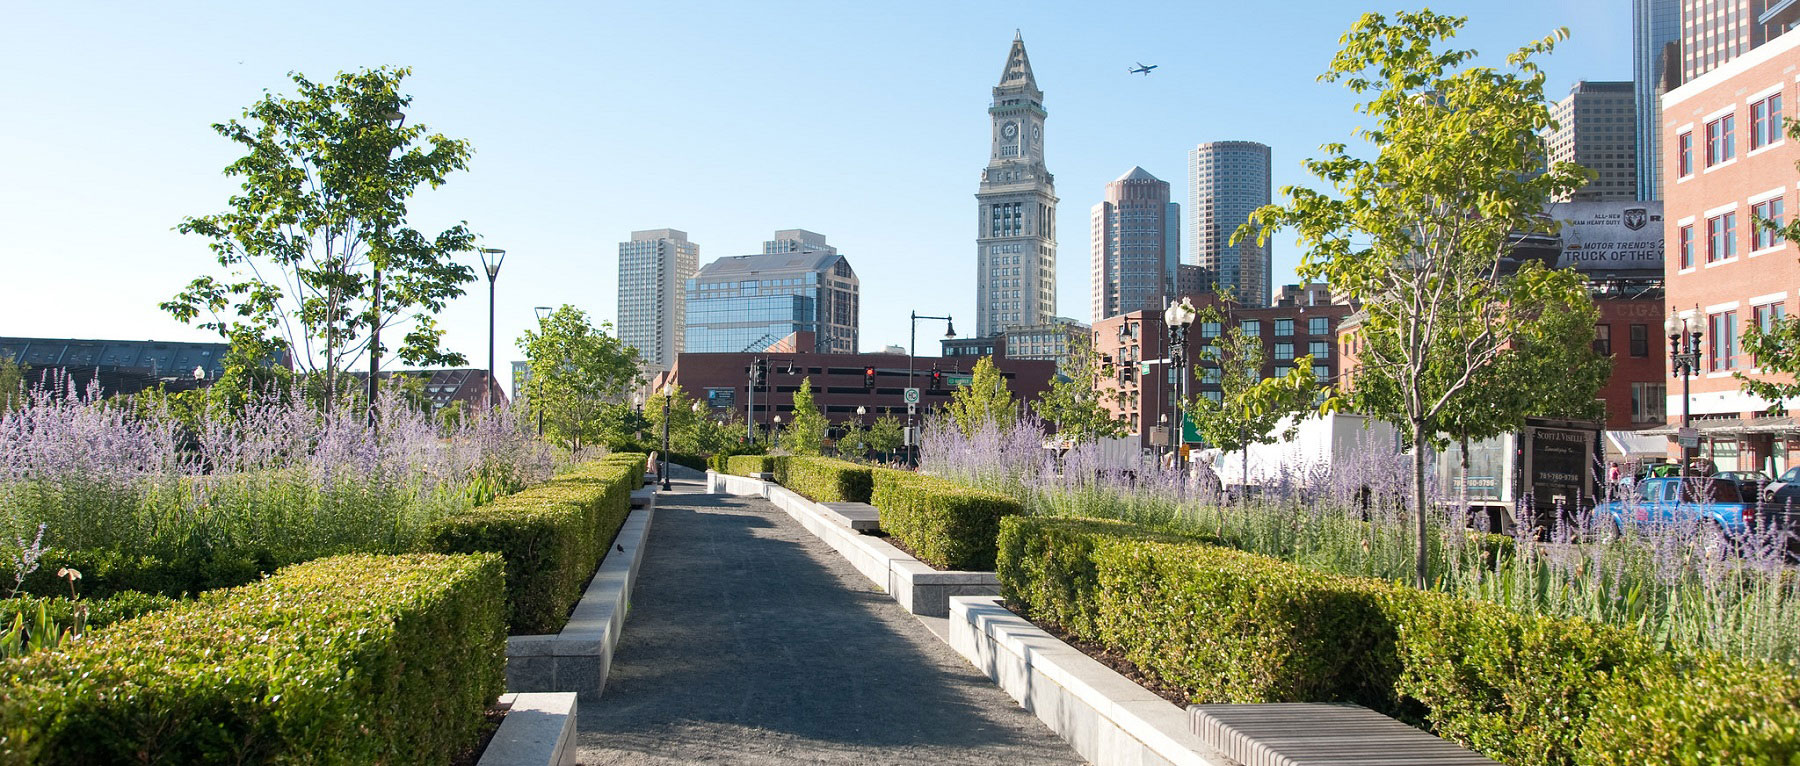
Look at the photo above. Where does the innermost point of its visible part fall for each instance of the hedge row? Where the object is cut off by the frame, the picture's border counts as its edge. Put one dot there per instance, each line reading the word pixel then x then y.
pixel 1228 626
pixel 353 659
pixel 825 480
pixel 551 536
pixel 946 525
pixel 749 465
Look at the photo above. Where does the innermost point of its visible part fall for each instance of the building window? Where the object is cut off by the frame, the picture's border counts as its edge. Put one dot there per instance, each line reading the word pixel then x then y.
pixel 1763 237
pixel 1318 326
pixel 1649 402
pixel 1319 349
pixel 1765 121
pixel 1721 237
pixel 1284 351
pixel 1603 339
pixel 1640 340
pixel 1684 155
pixel 1251 327
pixel 1685 247
pixel 1284 327
pixel 1321 373
pixel 1766 316
pixel 1722 347
pixel 1721 145
pixel 1209 329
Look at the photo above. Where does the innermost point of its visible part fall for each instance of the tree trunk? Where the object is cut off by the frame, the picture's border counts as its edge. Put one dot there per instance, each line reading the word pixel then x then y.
pixel 1420 547
pixel 1464 494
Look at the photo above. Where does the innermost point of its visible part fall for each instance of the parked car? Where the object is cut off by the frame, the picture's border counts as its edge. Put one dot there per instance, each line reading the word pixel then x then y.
pixel 1785 487
pixel 1673 500
pixel 1749 483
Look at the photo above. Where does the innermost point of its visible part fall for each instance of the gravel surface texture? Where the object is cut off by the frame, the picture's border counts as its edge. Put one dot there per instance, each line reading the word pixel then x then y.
pixel 750 641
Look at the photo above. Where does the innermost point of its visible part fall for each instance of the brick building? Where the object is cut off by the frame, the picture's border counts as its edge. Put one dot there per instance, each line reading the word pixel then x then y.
pixel 1303 321
pixel 1728 163
pixel 722 381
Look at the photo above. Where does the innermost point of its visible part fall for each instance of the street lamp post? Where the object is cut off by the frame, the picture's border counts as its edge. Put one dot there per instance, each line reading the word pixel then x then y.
pixel 1178 317
pixel 637 408
pixel 493 273
pixel 912 351
pixel 1684 357
pixel 399 120
pixel 775 433
pixel 543 313
pixel 664 470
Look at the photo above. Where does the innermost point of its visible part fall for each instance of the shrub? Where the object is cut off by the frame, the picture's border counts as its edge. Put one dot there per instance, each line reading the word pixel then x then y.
pixel 101 611
pixel 946 525
pixel 551 536
pixel 1227 626
pixel 825 480
pixel 749 465
pixel 353 659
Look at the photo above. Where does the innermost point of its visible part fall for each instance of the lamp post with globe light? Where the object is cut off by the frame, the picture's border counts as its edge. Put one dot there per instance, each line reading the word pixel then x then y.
pixel 1178 317
pixel 1684 357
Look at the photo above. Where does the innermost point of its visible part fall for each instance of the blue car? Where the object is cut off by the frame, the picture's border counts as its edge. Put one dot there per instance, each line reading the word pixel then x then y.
pixel 1673 500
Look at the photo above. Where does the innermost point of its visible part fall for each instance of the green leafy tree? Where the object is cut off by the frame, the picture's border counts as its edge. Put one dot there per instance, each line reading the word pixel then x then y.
pixel 1776 348
pixel 578 373
pixel 1250 408
pixel 714 431
pixel 12 386
pixel 887 434
pixel 1076 405
pixel 806 434
pixel 985 398
pixel 1417 233
pixel 854 443
pixel 316 249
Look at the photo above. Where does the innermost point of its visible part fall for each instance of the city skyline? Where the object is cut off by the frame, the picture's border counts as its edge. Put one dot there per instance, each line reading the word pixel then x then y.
pixel 572 153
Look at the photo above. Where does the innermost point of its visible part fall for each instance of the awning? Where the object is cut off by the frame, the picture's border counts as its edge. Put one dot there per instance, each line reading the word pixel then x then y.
pixel 1636 443
pixel 1712 427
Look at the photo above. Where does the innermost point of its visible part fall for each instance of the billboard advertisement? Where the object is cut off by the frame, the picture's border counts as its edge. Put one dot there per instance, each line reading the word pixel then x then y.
pixel 1610 236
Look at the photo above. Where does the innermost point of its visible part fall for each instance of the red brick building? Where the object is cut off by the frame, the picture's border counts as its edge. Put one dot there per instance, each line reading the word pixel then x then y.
pixel 1728 163
pixel 722 381
pixel 1303 321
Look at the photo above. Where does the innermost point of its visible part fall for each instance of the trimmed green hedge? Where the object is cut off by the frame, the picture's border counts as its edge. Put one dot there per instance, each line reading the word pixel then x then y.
pixel 1228 626
pixel 747 465
pixel 825 480
pixel 946 525
pixel 352 659
pixel 551 536
pixel 122 605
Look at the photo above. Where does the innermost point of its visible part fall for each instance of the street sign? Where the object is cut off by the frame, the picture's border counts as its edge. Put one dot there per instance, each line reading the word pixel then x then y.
pixel 1688 433
pixel 912 396
pixel 953 380
pixel 1690 441
pixel 912 409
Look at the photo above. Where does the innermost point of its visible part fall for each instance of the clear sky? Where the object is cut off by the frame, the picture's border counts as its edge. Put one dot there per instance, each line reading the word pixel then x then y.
pixel 729 120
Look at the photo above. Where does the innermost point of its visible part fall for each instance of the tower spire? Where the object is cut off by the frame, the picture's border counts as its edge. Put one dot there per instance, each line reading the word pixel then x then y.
pixel 1018 66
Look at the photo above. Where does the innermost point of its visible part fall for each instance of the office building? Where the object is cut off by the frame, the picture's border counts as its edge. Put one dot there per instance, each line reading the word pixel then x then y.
pixel 1728 164
pixel 749 303
pixel 654 267
pixel 1227 181
pixel 1136 245
pixel 1015 242
pixel 1655 49
pixel 1714 32
pixel 1596 128
pixel 119 366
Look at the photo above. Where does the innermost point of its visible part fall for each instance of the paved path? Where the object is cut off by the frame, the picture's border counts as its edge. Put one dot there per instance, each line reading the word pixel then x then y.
pixel 750 641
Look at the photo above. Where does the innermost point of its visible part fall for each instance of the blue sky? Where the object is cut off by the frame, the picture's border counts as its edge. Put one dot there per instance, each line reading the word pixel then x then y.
pixel 729 120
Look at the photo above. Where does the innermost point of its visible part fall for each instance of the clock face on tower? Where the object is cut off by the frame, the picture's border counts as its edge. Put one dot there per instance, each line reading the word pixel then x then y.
pixel 1009 130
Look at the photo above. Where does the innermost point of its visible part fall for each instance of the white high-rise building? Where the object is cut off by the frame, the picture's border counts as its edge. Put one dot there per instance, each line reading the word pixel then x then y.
pixel 1015 240
pixel 1136 245
pixel 1596 128
pixel 654 268
pixel 1227 181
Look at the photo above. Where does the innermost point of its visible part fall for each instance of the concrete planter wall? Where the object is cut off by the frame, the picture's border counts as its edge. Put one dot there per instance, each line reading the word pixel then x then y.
pixel 539 730
pixel 578 658
pixel 914 584
pixel 1106 717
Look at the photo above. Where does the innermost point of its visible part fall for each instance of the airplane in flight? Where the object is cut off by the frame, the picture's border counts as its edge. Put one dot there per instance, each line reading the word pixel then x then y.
pixel 1141 69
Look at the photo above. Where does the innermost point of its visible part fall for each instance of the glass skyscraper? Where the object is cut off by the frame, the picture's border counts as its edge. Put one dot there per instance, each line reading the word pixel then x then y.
pixel 750 302
pixel 1227 181
pixel 1654 25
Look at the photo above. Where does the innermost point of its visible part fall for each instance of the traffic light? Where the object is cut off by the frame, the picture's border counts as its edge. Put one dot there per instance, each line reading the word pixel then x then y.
pixel 937 379
pixel 868 378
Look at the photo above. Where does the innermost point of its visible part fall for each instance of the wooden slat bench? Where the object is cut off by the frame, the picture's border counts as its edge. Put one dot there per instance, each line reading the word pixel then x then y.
pixel 1321 734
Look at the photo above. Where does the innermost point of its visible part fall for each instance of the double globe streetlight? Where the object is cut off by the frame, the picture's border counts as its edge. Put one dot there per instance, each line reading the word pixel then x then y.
pixel 1178 317
pixel 1684 358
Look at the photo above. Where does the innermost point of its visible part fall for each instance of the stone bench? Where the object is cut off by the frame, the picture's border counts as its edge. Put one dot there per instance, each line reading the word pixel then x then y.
pixel 643 498
pixel 1320 734
pixel 859 517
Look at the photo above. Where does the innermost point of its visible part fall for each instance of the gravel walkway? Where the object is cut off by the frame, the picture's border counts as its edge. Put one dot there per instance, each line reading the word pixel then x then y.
pixel 750 641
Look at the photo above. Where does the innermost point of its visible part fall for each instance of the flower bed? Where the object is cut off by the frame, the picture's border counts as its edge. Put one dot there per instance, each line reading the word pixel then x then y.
pixel 352 659
pixel 1229 626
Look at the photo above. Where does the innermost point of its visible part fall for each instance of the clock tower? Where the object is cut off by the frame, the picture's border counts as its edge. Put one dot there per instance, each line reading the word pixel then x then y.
pixel 1015 239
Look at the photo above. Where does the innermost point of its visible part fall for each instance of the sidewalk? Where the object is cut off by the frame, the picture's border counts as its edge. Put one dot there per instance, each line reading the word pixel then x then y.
pixel 749 641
